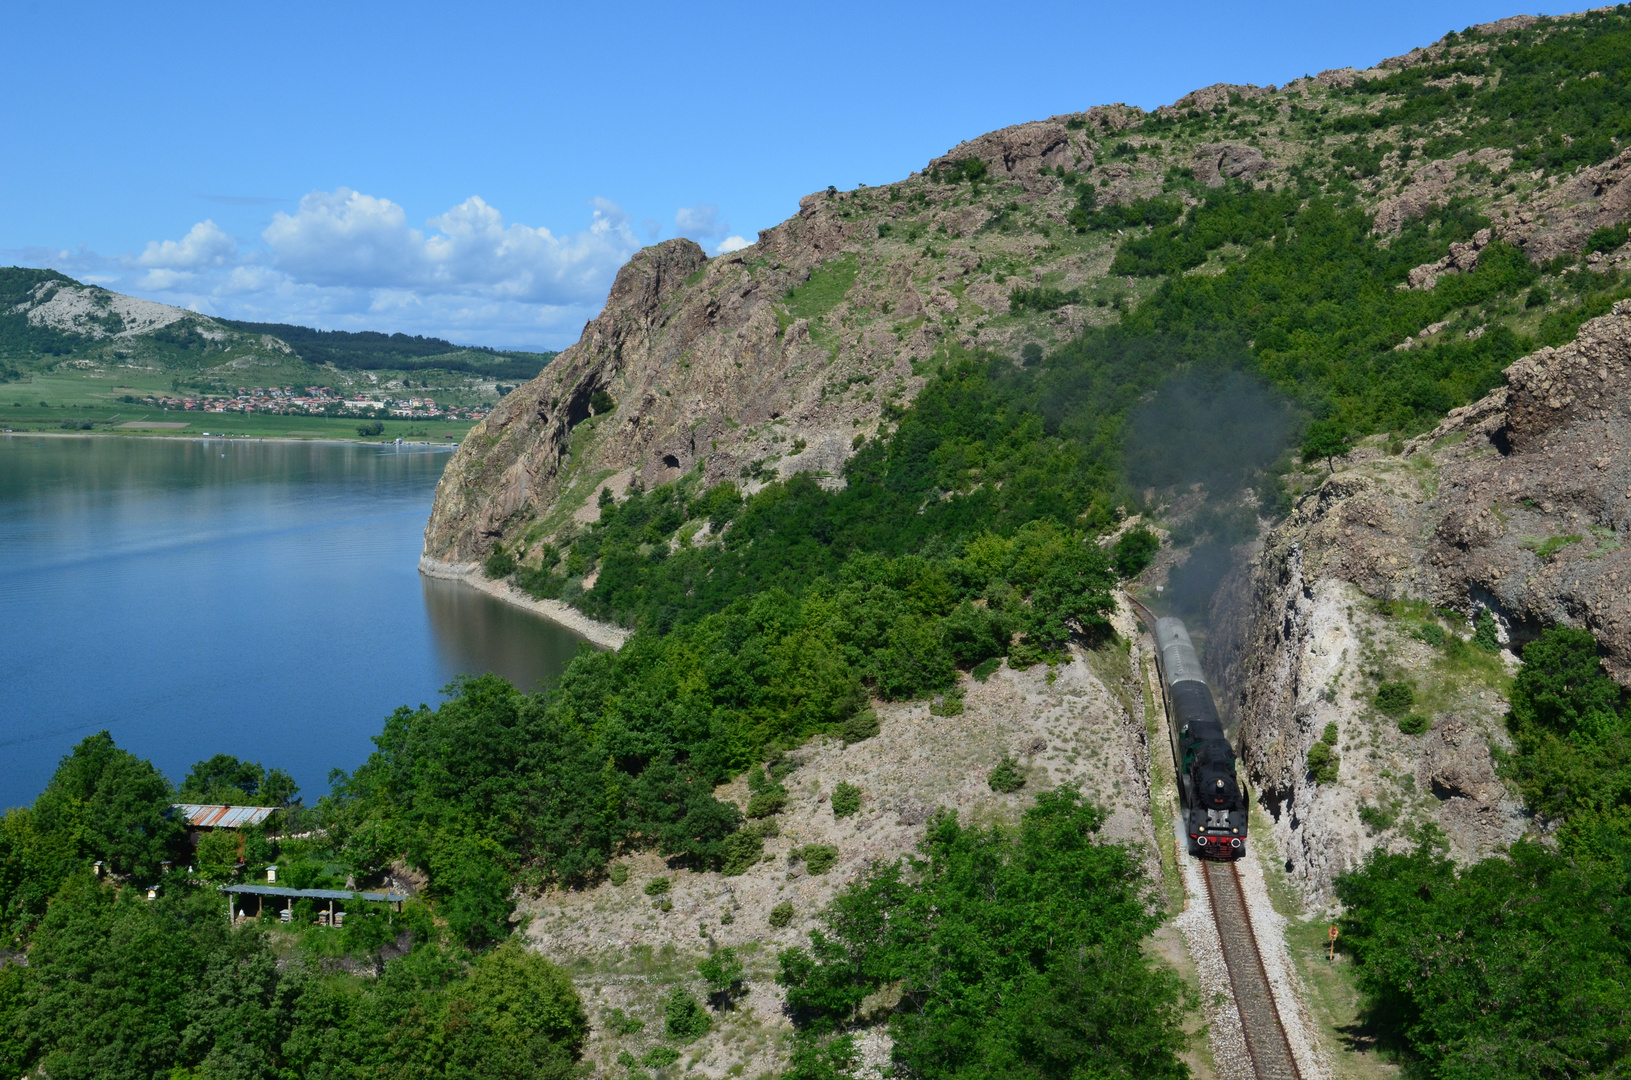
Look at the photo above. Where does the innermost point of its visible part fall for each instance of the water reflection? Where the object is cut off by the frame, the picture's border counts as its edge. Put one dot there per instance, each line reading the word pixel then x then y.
pixel 475 633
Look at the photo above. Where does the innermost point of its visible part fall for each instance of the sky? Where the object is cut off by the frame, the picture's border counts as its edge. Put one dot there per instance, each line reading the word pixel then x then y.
pixel 480 171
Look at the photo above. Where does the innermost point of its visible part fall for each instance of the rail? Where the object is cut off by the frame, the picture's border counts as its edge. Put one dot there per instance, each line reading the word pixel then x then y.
pixel 1266 1041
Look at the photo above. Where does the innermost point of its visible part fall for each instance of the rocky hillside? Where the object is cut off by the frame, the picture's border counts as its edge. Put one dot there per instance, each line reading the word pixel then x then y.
pixel 776 358
pixel 1514 506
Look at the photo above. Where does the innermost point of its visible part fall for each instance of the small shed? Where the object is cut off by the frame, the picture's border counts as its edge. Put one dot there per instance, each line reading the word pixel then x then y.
pixel 204 817
pixel 235 893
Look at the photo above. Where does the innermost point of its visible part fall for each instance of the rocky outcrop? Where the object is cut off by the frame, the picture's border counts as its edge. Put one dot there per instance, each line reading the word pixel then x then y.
pixel 1462 259
pixel 1022 152
pixel 1229 161
pixel 776 358
pixel 1561 220
pixel 1517 504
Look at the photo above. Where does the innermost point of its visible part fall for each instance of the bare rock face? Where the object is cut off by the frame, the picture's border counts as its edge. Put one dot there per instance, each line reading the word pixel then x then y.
pixel 1022 152
pixel 1229 161
pixel 1562 219
pixel 725 368
pixel 1516 504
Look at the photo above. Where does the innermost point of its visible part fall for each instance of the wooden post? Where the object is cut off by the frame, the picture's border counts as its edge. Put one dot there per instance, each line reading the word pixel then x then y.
pixel 1332 955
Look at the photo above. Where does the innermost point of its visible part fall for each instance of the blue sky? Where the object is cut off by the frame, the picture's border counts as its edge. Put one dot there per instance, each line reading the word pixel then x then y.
pixel 479 171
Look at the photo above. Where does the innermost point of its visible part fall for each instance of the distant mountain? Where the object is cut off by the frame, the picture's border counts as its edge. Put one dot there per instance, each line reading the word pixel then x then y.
pixel 48 319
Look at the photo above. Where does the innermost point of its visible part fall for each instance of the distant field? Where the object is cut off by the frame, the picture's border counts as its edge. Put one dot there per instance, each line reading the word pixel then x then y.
pixel 48 402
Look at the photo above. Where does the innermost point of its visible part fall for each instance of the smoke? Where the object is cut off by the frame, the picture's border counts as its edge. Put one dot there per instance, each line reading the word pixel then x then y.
pixel 1219 428
pixel 1223 430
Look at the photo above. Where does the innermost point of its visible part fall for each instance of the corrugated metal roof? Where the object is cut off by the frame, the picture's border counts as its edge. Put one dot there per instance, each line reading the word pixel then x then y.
pixel 314 894
pixel 204 816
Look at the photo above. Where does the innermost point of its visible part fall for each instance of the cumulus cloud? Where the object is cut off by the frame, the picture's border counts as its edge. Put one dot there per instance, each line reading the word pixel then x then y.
pixel 345 259
pixel 346 238
pixel 205 245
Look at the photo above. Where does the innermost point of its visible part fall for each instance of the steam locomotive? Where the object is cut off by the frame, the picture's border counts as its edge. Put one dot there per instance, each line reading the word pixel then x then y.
pixel 1214 804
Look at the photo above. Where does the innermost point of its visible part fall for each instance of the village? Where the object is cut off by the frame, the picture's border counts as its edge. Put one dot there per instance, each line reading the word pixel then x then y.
pixel 315 400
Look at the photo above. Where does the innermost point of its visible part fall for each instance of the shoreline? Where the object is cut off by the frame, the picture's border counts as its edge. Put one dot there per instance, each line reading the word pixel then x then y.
pixel 200 437
pixel 596 632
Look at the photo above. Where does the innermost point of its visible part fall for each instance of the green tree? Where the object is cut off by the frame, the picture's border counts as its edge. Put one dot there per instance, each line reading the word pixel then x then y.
pixel 1515 966
pixel 1326 439
pixel 723 972
pixel 114 805
pixel 1016 954
pixel 684 1018
pixel 1133 551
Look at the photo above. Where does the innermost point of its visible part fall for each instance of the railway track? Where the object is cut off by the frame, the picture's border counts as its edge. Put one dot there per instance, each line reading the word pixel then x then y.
pixel 1266 1041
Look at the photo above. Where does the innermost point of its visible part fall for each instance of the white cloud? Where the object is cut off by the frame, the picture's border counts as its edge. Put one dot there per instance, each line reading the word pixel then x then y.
pixel 205 245
pixel 347 238
pixel 348 260
pixel 700 222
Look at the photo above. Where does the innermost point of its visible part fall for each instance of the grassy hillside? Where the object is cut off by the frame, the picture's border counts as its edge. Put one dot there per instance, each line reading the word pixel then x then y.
pixel 105 357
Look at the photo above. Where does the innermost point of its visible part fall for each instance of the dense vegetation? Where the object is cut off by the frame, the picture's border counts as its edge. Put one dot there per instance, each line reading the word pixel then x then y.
pixel 118 985
pixel 368 349
pixel 1518 965
pixel 1003 952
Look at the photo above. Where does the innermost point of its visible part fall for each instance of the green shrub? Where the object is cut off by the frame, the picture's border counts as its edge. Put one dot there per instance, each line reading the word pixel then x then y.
pixel 986 668
pixel 1538 296
pixel 1606 238
pixel 1007 777
pixel 1563 690
pixel 846 800
pixel 863 725
pixel 619 873
pixel 620 1023
pixel 1376 819
pixel 600 403
pixel 817 858
pixel 743 850
pixel 769 801
pixel 1484 632
pixel 1394 698
pixel 500 563
pixel 1431 633
pixel 1414 724
pixel 1322 763
pixel 684 1018
pixel 372 427
pixel 660 1057
pixel 1134 550
pixel 949 704
pixel 781 915
pixel 1473 969
pixel 657 886
pixel 1042 298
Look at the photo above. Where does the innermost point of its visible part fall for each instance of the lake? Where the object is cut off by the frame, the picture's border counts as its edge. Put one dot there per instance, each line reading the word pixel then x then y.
pixel 260 599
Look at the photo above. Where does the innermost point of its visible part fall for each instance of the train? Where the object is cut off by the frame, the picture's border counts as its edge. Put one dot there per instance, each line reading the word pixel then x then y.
pixel 1209 785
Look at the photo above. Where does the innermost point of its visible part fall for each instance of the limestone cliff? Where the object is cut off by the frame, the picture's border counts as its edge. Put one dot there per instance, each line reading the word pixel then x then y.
pixel 1513 504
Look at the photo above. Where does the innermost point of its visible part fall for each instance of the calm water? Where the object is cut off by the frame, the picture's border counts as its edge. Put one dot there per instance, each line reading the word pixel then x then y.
pixel 257 599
